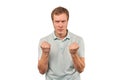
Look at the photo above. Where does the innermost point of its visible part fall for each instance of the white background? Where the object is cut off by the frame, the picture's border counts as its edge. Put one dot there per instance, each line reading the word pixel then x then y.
pixel 24 22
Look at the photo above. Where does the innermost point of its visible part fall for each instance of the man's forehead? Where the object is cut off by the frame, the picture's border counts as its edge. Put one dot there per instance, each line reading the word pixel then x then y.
pixel 60 17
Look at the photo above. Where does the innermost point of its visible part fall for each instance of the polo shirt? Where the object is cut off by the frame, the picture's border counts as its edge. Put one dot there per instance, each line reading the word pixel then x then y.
pixel 60 64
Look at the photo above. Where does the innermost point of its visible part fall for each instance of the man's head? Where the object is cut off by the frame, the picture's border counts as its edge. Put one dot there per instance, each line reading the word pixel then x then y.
pixel 60 17
pixel 58 11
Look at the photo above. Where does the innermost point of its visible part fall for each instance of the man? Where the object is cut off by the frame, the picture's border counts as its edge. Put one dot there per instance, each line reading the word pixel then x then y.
pixel 61 54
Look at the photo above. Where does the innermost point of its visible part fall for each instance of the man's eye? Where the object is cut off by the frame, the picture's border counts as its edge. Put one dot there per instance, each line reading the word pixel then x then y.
pixel 57 21
pixel 63 21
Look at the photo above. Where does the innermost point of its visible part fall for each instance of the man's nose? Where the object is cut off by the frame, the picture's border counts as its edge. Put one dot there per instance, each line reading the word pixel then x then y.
pixel 60 24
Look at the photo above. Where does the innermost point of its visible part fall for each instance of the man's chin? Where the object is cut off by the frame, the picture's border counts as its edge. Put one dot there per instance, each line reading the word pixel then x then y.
pixel 60 33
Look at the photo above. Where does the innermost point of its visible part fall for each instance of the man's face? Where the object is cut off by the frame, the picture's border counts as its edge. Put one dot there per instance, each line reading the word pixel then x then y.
pixel 60 24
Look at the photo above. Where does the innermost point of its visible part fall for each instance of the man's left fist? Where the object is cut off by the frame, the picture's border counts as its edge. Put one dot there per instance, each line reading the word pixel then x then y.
pixel 73 48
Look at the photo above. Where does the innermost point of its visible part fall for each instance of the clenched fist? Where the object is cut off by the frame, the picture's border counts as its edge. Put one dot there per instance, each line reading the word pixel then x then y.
pixel 45 47
pixel 73 48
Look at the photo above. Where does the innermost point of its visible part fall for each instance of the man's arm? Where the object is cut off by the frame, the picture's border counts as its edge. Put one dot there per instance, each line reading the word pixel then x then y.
pixel 43 61
pixel 79 62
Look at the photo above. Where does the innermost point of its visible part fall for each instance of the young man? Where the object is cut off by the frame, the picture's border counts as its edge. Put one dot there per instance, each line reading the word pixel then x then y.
pixel 61 54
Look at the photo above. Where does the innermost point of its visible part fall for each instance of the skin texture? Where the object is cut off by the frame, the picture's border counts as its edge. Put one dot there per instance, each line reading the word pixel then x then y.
pixel 60 23
pixel 79 62
pixel 43 62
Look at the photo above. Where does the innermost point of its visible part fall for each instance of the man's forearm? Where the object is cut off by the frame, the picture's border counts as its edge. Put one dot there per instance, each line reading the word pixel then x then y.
pixel 43 63
pixel 79 63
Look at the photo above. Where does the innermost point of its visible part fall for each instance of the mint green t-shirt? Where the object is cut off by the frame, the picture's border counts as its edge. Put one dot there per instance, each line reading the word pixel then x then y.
pixel 60 65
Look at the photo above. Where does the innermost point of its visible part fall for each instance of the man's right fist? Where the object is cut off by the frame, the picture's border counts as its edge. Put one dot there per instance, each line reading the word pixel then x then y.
pixel 45 47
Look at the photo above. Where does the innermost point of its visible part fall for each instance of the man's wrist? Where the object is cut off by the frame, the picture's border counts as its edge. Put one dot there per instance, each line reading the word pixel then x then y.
pixel 45 54
pixel 73 54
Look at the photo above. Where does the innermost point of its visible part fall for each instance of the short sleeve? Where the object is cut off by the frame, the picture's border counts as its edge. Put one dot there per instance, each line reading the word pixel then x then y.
pixel 81 51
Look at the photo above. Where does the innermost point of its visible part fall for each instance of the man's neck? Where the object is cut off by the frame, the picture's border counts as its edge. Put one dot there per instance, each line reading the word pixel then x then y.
pixel 61 36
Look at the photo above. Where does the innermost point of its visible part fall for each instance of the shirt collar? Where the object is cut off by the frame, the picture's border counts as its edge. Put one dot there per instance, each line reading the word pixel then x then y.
pixel 57 38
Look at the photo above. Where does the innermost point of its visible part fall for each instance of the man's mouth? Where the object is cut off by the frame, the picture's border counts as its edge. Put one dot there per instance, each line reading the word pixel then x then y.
pixel 60 29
